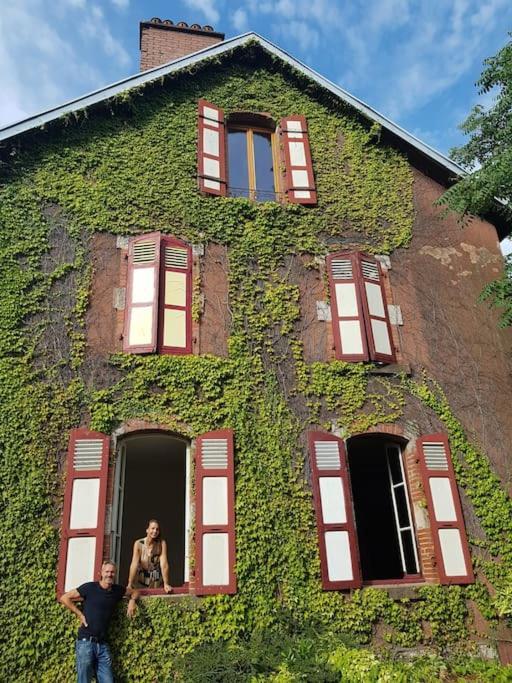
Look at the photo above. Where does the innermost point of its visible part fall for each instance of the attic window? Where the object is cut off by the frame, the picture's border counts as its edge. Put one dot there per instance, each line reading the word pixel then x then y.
pixel 252 162
pixel 245 156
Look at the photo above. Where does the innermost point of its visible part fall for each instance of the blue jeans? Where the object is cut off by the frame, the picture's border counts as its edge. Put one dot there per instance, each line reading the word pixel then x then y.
pixel 93 661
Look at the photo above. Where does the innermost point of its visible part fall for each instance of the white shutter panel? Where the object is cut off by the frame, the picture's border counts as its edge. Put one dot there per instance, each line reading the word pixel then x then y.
pixel 347 310
pixel 83 523
pixel 300 181
pixel 334 512
pixel 141 312
pixel 378 328
pixel 215 513
pixel 211 149
pixel 445 510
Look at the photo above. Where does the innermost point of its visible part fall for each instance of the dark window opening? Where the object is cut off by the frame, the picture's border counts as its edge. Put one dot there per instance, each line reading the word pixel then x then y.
pixel 151 481
pixel 385 535
pixel 251 164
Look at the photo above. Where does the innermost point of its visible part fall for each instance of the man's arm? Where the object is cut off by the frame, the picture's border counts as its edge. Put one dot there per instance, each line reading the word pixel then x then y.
pixel 133 596
pixel 69 599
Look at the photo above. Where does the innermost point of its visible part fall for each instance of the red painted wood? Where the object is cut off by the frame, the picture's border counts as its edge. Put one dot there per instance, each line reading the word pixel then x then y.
pixel 202 529
pixel 286 139
pixel 374 354
pixel 202 123
pixel 167 241
pixel 322 527
pixel 147 348
pixel 98 531
pixel 338 344
pixel 435 525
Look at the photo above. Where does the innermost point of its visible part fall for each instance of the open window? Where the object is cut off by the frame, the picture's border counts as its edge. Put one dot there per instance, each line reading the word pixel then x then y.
pixel 384 525
pixel 243 155
pixel 158 313
pixel 151 479
pixel 360 318
pixel 365 523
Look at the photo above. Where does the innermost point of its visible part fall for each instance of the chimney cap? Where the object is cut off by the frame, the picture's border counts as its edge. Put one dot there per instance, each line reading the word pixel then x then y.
pixel 181 26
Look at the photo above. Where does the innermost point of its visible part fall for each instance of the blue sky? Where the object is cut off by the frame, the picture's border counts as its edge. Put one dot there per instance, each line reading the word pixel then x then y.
pixel 415 61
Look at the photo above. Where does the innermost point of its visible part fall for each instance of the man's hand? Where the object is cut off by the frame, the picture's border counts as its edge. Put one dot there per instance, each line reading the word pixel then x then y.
pixel 131 609
pixel 82 620
pixel 167 588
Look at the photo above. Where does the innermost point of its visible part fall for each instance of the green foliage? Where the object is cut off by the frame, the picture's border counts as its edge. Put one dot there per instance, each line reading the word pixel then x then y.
pixel 132 169
pixel 489 153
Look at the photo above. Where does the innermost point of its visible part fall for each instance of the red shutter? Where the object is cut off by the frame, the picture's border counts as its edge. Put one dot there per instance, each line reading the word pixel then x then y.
pixel 300 180
pixel 445 511
pixel 215 513
pixel 334 512
pixel 175 324
pixel 378 328
pixel 347 308
pixel 141 311
pixel 83 521
pixel 211 149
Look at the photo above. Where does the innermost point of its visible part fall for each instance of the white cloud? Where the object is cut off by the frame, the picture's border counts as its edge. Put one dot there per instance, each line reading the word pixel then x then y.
pixel 240 20
pixel 53 55
pixel 94 26
pixel 422 52
pixel 121 4
pixel 305 36
pixel 207 7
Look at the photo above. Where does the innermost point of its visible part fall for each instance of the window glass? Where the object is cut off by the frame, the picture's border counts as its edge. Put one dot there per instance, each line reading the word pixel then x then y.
pixel 237 163
pixel 264 166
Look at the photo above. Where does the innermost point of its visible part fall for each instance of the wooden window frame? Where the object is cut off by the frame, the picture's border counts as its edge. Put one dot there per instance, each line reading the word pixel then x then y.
pixel 250 157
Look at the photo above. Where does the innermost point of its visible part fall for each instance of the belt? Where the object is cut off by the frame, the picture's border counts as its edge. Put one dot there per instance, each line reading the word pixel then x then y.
pixel 92 639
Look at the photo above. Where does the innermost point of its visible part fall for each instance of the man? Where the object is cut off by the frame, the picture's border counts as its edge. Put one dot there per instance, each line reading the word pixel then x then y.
pixel 99 599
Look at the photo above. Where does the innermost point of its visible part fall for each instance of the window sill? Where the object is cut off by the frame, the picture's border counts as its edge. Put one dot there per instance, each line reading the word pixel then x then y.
pixel 399 589
pixel 177 591
pixel 391 369
pixel 178 594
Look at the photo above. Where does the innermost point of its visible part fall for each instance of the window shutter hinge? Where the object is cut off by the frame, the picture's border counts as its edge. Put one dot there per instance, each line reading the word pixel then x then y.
pixel 384 261
pixel 119 298
pixel 395 314
pixel 122 242
pixel 323 311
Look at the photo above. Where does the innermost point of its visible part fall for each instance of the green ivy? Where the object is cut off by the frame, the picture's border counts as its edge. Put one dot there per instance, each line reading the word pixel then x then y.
pixel 130 166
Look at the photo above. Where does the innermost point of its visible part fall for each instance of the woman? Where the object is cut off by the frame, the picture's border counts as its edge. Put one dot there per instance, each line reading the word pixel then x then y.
pixel 149 567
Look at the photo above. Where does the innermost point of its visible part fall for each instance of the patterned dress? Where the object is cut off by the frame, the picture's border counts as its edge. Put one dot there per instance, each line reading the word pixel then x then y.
pixel 149 574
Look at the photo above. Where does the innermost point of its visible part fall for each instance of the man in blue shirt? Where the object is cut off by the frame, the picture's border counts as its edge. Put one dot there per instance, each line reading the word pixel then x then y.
pixel 99 599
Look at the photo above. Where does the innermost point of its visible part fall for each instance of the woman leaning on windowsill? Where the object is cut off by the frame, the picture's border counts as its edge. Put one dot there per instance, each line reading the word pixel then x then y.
pixel 149 567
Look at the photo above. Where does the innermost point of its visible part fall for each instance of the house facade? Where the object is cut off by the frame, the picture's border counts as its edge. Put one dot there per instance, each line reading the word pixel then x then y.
pixel 231 302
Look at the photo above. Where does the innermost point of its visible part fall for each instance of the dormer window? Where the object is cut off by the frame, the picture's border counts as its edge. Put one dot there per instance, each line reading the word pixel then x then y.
pixel 249 156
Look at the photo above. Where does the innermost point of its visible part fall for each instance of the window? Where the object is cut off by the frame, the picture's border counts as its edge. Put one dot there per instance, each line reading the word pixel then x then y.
pixel 154 470
pixel 364 517
pixel 360 317
pixel 243 157
pixel 152 479
pixel 158 313
pixel 252 163
pixel 384 528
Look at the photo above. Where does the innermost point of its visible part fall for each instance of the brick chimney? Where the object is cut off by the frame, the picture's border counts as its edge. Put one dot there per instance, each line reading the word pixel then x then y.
pixel 161 41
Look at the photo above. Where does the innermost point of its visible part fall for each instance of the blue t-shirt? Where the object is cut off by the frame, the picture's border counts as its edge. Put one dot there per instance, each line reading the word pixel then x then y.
pixel 98 605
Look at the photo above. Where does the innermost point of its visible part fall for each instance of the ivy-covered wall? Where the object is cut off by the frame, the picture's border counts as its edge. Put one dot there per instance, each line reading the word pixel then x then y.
pixel 130 167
